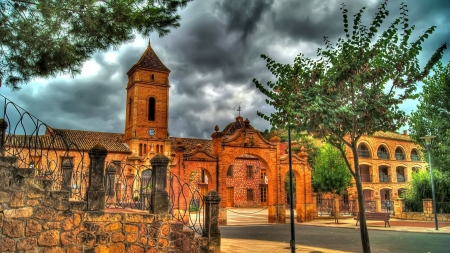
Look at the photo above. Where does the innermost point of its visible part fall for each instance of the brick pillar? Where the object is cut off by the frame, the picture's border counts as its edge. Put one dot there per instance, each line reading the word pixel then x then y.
pixel 159 195
pixel 314 205
pixel 96 190
pixel 427 206
pixel 67 170
pixel 277 214
pixel 3 126
pixel 377 203
pixel 337 211
pixel 211 229
pixel 398 207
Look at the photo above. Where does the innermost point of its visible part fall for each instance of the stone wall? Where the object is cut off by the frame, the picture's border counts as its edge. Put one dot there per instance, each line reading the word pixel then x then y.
pixel 33 219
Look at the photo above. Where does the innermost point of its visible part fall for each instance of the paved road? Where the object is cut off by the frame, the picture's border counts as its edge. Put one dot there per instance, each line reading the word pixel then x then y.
pixel 343 239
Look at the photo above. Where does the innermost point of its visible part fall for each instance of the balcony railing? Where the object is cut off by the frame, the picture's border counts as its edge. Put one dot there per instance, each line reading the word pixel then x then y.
pixel 385 179
pixel 400 156
pixel 401 178
pixel 382 155
pixel 366 178
pixel 363 153
pixel 415 158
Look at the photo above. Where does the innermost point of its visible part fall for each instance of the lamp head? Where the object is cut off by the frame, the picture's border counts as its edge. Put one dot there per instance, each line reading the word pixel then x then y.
pixel 428 139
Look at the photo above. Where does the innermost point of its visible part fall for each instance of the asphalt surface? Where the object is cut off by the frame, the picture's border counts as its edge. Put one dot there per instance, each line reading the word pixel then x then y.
pixel 342 239
pixel 248 231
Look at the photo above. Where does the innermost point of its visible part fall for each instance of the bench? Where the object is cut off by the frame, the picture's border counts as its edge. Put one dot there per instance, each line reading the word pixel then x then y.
pixel 376 216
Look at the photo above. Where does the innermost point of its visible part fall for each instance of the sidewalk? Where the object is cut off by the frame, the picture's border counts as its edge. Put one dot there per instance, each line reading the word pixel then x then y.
pixel 255 216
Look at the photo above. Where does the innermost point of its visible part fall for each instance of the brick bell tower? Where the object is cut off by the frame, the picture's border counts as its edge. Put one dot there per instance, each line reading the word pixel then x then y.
pixel 147 107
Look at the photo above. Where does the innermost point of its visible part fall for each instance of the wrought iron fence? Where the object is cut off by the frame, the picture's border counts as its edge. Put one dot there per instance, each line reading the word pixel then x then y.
pixel 128 186
pixel 412 206
pixel 370 205
pixel 325 207
pixel 384 178
pixel 38 146
pixel 186 203
pixel 443 207
pixel 347 208
pixel 387 206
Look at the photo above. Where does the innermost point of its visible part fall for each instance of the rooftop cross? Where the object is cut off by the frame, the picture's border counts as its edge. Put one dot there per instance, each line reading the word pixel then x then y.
pixel 239 110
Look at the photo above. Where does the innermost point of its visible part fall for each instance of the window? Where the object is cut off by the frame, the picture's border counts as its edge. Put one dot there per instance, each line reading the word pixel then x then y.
pixel 414 155
pixel 140 149
pixel 230 171
pixel 363 151
pixel 249 194
pixel 382 153
pixel 153 77
pixel 151 108
pixel 249 171
pixel 399 155
pixel 145 148
pixel 35 163
pixel 263 176
pixel 129 109
pixel 65 158
pixel 263 194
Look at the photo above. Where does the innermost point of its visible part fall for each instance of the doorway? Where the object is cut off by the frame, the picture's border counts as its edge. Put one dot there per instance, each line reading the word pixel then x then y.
pixel 230 196
pixel 263 199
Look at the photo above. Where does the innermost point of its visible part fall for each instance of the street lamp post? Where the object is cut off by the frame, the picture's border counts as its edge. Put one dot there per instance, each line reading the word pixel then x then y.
pixel 428 140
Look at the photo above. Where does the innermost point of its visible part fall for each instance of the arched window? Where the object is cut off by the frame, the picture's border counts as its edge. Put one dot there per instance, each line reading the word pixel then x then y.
pixel 230 171
pixel 129 109
pixel 399 155
pixel 140 149
pixel 382 152
pixel 414 155
pixel 162 148
pixel 363 151
pixel 151 108
pixel 153 77
pixel 157 148
pixel 145 149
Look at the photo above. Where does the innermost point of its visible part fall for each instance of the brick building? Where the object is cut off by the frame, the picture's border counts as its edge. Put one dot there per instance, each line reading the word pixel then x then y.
pixel 246 169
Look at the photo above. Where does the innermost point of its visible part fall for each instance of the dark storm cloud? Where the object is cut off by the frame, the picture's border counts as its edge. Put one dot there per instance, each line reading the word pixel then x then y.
pixel 213 57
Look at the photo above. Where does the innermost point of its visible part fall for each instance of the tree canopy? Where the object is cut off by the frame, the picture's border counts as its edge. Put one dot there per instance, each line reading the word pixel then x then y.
pixel 352 88
pixel 330 172
pixel 41 38
pixel 432 114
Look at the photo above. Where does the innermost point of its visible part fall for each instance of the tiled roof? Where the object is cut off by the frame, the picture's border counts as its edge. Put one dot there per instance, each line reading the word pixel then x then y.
pixel 150 60
pixel 191 144
pixel 85 140
pixel 392 135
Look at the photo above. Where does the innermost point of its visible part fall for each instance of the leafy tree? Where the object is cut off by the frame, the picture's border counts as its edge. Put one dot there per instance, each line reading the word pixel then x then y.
pixel 353 88
pixel 431 117
pixel 45 38
pixel 330 172
pixel 420 187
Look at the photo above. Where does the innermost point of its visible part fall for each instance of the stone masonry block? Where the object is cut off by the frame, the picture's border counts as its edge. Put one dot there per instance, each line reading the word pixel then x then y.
pixel 49 238
pixel 24 212
pixel 14 228
pixel 141 218
pixel 32 228
pixel 7 244
pixel 101 216
pixel 27 243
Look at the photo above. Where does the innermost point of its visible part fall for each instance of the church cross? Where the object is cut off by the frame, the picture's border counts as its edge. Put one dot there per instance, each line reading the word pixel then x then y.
pixel 239 110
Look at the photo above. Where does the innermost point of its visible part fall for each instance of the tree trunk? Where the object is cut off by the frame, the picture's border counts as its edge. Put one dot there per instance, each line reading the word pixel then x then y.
pixel 362 213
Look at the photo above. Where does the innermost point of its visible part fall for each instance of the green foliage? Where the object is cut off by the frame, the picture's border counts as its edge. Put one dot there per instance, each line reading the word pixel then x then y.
pixel 431 117
pixel 330 172
pixel 45 38
pixel 420 187
pixel 352 88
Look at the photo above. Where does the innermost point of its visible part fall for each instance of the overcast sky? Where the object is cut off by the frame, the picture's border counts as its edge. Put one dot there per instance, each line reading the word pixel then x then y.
pixel 213 57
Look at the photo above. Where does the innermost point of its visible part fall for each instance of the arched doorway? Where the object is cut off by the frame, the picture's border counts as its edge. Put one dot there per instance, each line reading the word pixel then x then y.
pixel 369 201
pixel 247 182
